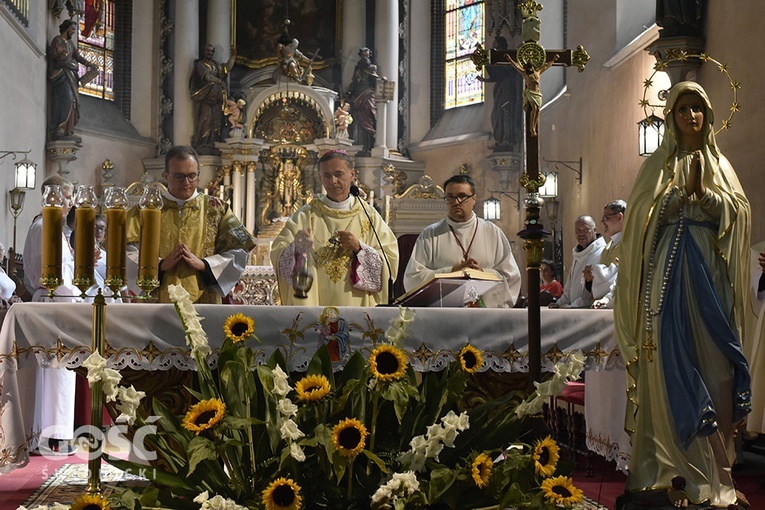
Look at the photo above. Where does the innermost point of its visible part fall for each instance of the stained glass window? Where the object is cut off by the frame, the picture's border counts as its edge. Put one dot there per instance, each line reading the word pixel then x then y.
pixel 96 43
pixel 464 30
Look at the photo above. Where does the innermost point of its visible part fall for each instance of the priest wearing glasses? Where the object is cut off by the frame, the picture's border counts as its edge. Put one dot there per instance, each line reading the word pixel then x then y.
pixel 351 252
pixel 203 246
pixel 463 240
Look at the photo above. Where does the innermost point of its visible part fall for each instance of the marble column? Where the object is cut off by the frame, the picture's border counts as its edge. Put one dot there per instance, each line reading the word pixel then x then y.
pixel 186 39
pixel 219 28
pixel 386 58
pixel 249 219
pixel 354 38
pixel 238 186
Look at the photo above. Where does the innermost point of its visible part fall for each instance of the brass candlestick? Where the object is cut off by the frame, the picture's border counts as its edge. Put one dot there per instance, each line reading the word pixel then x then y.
pixel 148 257
pixel 116 202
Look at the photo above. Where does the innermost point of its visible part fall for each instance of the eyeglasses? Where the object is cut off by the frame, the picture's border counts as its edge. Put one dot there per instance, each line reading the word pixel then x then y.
pixel 459 199
pixel 606 216
pixel 185 177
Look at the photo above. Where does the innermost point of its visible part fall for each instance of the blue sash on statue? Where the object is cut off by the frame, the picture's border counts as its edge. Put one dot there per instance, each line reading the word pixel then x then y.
pixel 692 408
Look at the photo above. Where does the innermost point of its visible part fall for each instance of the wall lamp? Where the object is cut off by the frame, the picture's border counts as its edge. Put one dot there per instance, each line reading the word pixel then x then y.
pixel 492 206
pixel 650 134
pixel 574 166
pixel 24 178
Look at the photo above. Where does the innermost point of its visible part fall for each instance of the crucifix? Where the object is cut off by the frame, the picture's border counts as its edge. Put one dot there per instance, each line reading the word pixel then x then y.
pixel 531 60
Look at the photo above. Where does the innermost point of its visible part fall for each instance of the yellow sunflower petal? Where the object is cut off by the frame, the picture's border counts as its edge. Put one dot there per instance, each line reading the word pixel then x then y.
pixel 349 437
pixel 481 470
pixel 282 494
pixel 387 363
pixel 312 388
pixel 239 327
pixel 471 359
pixel 561 491
pixel 91 502
pixel 546 456
pixel 204 415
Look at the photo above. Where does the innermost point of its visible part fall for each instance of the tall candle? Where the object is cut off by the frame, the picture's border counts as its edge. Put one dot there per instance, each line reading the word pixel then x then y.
pixel 116 220
pixel 148 257
pixel 84 242
pixel 52 241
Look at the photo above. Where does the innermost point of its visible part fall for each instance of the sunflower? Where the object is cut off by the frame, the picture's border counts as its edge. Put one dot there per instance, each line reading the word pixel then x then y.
pixel 90 502
pixel 204 415
pixel 481 470
pixel 470 359
pixel 239 327
pixel 561 491
pixel 546 456
pixel 387 363
pixel 282 494
pixel 312 388
pixel 349 437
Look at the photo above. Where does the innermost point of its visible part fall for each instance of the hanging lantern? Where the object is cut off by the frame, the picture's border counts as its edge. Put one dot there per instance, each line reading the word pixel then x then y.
pixel 491 209
pixel 650 134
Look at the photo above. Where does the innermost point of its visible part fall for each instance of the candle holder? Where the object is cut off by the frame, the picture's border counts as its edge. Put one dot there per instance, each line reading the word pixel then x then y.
pixel 52 238
pixel 116 202
pixel 302 274
pixel 148 258
pixel 85 201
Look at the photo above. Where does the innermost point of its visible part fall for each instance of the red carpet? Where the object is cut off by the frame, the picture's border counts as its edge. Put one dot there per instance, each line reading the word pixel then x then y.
pixel 607 483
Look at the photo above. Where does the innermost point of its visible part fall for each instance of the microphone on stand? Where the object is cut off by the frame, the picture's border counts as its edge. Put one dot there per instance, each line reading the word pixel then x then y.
pixel 355 192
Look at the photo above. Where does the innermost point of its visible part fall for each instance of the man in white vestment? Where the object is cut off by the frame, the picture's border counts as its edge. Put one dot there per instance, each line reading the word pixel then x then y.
pixel 55 395
pixel 337 236
pixel 463 240
pixel 754 349
pixel 603 275
pixel 577 292
pixel 203 246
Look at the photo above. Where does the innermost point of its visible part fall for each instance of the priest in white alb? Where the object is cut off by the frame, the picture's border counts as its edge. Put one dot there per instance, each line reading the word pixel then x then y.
pixel 344 255
pixel 463 240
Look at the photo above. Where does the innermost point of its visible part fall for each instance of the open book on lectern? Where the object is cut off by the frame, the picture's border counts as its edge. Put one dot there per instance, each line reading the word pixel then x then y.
pixel 454 289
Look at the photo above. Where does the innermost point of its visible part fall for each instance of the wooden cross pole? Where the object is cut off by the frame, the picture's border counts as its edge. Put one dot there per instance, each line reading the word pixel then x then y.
pixel 531 60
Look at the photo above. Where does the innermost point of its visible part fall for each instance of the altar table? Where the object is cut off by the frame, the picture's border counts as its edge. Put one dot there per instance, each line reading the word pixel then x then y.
pixel 150 337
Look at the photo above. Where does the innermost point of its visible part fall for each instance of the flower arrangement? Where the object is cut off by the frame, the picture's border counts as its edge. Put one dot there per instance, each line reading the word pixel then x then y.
pixel 375 435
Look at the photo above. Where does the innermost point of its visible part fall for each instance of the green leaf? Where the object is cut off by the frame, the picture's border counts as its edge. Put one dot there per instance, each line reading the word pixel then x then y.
pixel 441 479
pixel 200 449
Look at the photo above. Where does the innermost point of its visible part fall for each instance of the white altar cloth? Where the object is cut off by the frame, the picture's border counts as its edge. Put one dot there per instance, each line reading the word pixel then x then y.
pixel 150 337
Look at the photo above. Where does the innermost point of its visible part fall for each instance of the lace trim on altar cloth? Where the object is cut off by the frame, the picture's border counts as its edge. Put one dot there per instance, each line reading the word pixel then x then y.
pixel 369 270
pixel 287 263
pixel 608 449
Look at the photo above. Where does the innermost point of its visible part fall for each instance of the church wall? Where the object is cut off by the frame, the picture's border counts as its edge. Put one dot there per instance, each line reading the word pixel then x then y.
pixel 23 82
pixel 735 37
pixel 145 70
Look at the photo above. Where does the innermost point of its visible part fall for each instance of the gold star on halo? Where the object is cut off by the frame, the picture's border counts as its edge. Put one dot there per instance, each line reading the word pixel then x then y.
pixel 644 102
pixel 734 107
pixel 647 82
pixel 704 57
pixel 661 65
pixel 734 85
pixel 726 124
pixel 723 68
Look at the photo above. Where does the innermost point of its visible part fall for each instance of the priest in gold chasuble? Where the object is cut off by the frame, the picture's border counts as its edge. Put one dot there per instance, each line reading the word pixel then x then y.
pixel 203 245
pixel 345 257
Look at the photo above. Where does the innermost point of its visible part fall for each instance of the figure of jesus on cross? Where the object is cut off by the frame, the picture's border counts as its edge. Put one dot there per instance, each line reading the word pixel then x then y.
pixel 532 95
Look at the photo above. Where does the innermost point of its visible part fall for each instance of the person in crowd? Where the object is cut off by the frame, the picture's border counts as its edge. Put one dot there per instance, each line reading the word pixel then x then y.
pixel 550 288
pixel 463 240
pixel 334 231
pixel 54 401
pixel 7 285
pixel 577 293
pixel 203 246
pixel 680 305
pixel 208 93
pixel 63 60
pixel 603 275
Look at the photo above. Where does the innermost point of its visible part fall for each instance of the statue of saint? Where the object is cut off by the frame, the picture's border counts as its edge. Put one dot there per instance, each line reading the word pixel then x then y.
pixel 63 60
pixel 292 62
pixel 506 114
pixel 362 94
pixel 208 93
